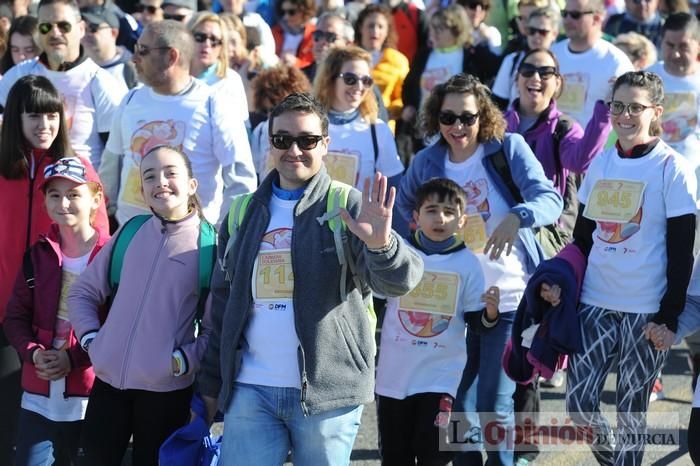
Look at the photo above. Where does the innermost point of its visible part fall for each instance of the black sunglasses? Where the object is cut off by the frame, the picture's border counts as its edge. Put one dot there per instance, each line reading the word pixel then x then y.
pixel 144 51
pixel 318 36
pixel 202 38
pixel 178 18
pixel 475 5
pixel 290 12
pixel 93 28
pixel 532 31
pixel 64 26
pixel 304 142
pixel 350 79
pixel 576 15
pixel 528 70
pixel 466 118
pixel 140 8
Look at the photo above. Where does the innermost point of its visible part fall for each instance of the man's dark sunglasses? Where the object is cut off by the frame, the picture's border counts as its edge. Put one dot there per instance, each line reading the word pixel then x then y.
pixel 140 8
pixel 575 15
pixel 304 142
pixel 64 26
pixel 178 18
pixel 329 37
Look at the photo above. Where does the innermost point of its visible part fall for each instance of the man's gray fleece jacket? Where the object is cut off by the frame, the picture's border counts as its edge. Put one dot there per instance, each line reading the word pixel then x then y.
pixel 336 337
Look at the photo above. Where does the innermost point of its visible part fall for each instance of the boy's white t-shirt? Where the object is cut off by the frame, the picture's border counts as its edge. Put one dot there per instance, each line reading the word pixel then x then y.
pixel 627 264
pixel 587 76
pixel 350 157
pixel 424 352
pixel 56 406
pixel 271 342
pixel 485 205
pixel 440 67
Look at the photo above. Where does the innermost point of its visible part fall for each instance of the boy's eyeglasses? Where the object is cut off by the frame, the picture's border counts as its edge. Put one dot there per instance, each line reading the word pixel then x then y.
pixel 304 142
pixel 144 50
pixel 466 118
pixel 532 31
pixel 178 18
pixel 575 15
pixel 201 38
pixel 64 26
pixel 528 70
pixel 329 37
pixel 618 108
pixel 350 79
pixel 140 8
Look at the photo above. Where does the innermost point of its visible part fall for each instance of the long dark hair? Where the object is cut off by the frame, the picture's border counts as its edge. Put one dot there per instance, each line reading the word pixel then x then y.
pixel 24 25
pixel 30 94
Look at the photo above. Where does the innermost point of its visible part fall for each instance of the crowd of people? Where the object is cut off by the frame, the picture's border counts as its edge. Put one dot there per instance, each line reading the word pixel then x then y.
pixel 289 209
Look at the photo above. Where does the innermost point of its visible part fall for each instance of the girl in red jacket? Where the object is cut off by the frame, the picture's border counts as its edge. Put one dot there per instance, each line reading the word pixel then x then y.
pixel 56 372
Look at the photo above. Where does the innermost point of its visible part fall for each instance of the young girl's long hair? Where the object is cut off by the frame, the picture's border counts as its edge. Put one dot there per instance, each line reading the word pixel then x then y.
pixel 30 94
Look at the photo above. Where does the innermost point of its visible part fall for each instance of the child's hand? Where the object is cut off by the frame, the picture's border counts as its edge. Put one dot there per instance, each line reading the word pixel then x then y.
pixel 551 294
pixel 492 299
pixel 51 364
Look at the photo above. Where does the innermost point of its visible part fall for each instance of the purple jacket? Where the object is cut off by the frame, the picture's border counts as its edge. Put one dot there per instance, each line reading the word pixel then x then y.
pixel 576 149
pixel 152 313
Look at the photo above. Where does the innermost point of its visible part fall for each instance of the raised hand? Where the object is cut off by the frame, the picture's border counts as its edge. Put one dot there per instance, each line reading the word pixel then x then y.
pixel 505 234
pixel 373 224
pixel 551 294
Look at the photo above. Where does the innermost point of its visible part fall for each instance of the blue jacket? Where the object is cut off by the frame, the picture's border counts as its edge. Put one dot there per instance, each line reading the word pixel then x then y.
pixel 542 203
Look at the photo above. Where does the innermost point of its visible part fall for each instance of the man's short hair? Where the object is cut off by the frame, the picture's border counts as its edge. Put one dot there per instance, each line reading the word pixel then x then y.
pixel 71 3
pixel 682 22
pixel 444 189
pixel 303 103
pixel 348 31
pixel 174 34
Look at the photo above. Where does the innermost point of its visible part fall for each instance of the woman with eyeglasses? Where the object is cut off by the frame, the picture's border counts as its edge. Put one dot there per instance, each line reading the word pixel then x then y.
pixel 22 45
pixel 376 33
pixel 508 195
pixel 635 228
pixel 361 144
pixel 542 28
pixel 292 33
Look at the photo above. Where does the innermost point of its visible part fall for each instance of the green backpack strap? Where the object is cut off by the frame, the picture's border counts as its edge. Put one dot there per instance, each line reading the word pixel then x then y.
pixel 207 258
pixel 236 213
pixel 121 243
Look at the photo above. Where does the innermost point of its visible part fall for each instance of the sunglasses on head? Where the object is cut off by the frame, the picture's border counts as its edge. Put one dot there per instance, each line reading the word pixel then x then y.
pixel 449 118
pixel 318 36
pixel 350 79
pixel 201 38
pixel 532 31
pixel 303 142
pixel 576 15
pixel 290 12
pixel 140 8
pixel 64 26
pixel 528 70
pixel 178 18
pixel 144 50
pixel 618 108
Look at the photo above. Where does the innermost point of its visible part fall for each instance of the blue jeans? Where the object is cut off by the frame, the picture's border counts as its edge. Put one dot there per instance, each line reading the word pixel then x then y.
pixel 487 390
pixel 43 442
pixel 262 424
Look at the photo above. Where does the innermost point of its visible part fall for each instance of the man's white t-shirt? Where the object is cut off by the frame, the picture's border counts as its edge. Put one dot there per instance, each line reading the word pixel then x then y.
pixel 423 349
pixel 90 94
pixel 587 76
pixel 631 199
pixel 486 208
pixel 351 156
pixel 505 86
pixel 271 341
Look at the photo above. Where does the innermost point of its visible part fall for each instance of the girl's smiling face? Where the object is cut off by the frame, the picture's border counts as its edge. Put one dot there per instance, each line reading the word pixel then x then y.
pixel 166 183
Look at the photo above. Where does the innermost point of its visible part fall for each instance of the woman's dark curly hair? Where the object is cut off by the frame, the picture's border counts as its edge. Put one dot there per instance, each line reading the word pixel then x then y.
pixel 650 82
pixel 384 10
pixel 492 125
pixel 272 85
pixel 306 7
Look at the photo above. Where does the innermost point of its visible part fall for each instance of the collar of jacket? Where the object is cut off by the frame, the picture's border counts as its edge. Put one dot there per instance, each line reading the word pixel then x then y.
pixel 192 218
pixel 65 66
pixel 547 115
pixel 315 190
pixel 53 238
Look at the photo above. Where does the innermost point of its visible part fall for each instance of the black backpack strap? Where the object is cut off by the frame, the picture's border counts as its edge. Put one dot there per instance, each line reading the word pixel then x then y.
pixel 563 126
pixel 28 268
pixel 500 164
pixel 375 145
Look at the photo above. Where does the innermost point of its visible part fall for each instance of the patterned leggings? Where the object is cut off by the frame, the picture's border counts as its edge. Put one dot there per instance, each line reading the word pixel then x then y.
pixel 608 336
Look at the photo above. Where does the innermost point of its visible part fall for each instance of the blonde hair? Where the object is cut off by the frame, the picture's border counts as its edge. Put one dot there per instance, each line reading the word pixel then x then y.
pixel 324 84
pixel 637 47
pixel 209 17
pixel 455 18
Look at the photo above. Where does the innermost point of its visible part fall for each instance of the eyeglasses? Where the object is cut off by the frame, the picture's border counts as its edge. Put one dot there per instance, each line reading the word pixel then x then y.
pixel 93 28
pixel 144 50
pixel 290 12
pixel 140 8
pixel 178 18
pixel 202 38
pixel 329 37
pixel 64 26
pixel 466 118
pixel 304 142
pixel 528 70
pixel 575 15
pixel 618 108
pixel 532 31
pixel 350 79
pixel 639 2
pixel 475 5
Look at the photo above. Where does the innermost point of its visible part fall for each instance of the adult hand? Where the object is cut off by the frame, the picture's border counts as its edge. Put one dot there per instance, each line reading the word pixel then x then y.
pixel 373 224
pixel 504 234
pixel 551 294
pixel 51 364
pixel 659 335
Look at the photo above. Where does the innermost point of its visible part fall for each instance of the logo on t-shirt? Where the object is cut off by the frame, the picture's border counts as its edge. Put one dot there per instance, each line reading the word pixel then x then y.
pixel 618 232
pixel 157 133
pixel 477 198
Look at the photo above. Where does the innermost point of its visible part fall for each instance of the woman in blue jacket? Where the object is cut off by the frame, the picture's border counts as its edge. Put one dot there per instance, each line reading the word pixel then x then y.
pixel 508 194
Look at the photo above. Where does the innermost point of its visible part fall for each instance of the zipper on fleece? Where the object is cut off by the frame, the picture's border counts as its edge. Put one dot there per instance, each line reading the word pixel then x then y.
pixel 302 354
pixel 127 353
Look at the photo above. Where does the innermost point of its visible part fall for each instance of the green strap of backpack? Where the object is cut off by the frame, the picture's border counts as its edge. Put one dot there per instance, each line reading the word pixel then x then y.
pixel 207 257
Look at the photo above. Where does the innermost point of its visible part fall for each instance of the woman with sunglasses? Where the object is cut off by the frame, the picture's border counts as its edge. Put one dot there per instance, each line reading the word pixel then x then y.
pixel 635 227
pixel 292 33
pixel 361 144
pixel 541 30
pixel 22 45
pixel 472 148
pixel 148 11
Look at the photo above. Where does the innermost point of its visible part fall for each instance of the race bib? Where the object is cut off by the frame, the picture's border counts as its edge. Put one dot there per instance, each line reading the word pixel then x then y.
pixel 132 189
pixel 615 201
pixel 573 98
pixel 435 294
pixel 474 233
pixel 342 167
pixel 274 279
